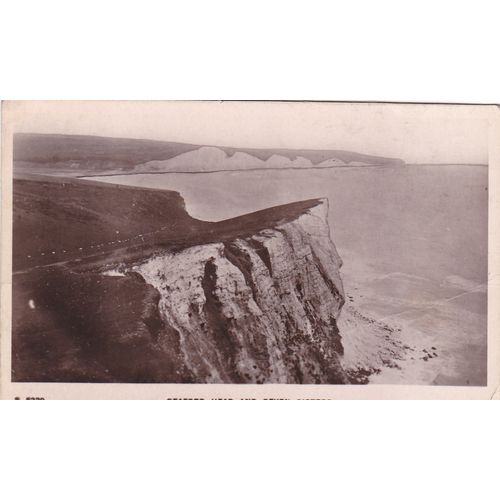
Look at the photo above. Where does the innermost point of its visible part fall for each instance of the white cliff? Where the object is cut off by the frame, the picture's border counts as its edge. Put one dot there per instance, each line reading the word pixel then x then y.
pixel 255 309
pixel 210 158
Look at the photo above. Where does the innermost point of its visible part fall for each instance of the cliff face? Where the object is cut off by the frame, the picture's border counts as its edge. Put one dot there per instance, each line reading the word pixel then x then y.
pixel 255 309
pixel 135 290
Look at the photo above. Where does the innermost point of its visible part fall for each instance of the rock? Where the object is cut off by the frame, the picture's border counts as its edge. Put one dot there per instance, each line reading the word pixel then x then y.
pixel 269 302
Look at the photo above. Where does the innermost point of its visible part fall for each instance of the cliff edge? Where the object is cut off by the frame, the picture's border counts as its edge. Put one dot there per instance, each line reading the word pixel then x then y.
pixel 258 309
pixel 119 284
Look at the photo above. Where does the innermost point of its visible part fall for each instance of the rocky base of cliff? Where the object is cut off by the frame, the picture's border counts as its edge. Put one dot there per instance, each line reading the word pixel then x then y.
pixel 369 345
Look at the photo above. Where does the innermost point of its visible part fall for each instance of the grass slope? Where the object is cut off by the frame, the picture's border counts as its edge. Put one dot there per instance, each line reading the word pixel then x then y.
pixel 58 219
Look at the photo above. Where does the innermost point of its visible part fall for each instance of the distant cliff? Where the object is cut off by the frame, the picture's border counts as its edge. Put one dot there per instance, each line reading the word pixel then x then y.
pixel 75 155
pixel 213 159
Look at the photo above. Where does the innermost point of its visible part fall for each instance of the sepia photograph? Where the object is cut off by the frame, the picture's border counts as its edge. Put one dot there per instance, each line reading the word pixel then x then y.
pixel 249 243
pixel 249 249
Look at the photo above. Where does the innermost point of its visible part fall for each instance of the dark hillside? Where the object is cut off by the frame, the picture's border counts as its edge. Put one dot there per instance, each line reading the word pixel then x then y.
pixel 57 219
pixel 85 327
pixel 58 147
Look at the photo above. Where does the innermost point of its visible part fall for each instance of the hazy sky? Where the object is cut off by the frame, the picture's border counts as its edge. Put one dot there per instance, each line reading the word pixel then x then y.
pixel 434 133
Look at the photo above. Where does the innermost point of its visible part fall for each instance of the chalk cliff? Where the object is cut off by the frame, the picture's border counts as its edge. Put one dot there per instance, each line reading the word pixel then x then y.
pixel 135 290
pixel 256 309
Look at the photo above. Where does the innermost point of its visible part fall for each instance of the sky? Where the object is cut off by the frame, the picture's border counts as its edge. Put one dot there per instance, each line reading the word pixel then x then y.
pixel 415 133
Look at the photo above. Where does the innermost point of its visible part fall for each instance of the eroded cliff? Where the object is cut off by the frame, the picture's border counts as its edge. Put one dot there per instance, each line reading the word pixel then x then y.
pixel 135 290
pixel 256 309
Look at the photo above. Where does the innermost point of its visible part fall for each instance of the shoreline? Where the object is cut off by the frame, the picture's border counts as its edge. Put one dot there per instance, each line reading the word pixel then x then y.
pixel 241 170
pixel 264 169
